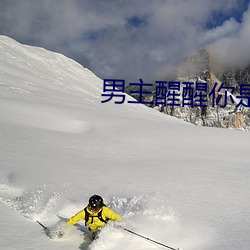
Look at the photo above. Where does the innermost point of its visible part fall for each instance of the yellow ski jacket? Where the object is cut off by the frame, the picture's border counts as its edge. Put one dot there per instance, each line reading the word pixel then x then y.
pixel 94 223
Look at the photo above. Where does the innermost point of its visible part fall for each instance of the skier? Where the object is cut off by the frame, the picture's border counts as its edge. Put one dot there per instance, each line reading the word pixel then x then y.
pixel 95 214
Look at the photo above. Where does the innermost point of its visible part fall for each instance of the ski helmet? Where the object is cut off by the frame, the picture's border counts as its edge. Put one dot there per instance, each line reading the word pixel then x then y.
pixel 95 202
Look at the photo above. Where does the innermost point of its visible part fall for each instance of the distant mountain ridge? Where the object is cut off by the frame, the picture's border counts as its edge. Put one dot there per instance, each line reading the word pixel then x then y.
pixel 200 68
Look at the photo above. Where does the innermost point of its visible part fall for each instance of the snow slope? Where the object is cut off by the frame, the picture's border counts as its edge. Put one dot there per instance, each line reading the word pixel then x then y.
pixel 179 184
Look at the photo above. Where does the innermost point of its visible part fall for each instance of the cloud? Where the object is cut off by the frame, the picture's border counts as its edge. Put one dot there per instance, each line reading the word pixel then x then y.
pixel 228 28
pixel 232 50
pixel 122 39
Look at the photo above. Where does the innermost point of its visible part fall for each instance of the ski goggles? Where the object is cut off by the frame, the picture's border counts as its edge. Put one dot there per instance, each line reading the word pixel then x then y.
pixel 94 208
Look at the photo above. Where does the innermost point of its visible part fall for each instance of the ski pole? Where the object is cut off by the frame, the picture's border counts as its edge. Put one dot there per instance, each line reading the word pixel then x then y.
pixel 146 238
pixel 45 228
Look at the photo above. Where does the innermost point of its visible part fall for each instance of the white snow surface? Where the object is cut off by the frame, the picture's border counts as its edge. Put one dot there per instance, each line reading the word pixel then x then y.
pixel 182 185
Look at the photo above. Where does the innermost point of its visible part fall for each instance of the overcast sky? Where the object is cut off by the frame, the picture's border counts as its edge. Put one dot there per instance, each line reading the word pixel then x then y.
pixel 131 39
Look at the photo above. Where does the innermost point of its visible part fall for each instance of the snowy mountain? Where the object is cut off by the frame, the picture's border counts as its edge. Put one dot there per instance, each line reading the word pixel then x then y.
pixel 182 185
pixel 202 67
pixel 204 77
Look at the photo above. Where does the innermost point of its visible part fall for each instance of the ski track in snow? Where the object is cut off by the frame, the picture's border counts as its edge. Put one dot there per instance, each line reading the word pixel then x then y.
pixel 43 117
